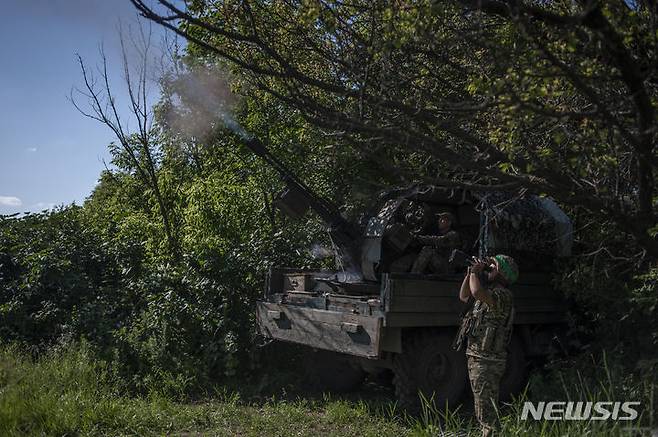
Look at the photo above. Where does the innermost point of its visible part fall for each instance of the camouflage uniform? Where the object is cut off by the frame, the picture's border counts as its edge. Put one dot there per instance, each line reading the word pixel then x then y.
pixel 487 353
pixel 435 252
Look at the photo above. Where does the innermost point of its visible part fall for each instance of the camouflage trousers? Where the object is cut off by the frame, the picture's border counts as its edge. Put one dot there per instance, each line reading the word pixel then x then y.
pixel 485 378
pixel 428 257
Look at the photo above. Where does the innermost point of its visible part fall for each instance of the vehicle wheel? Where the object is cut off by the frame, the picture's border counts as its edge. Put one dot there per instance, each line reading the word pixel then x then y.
pixel 430 366
pixel 516 373
pixel 331 371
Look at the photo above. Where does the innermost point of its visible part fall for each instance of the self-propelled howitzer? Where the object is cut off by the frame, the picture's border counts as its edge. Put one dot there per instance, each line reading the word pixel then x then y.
pixel 388 319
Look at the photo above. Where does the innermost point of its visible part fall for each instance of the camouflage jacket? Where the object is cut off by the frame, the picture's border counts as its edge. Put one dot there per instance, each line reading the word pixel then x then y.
pixel 449 240
pixel 491 329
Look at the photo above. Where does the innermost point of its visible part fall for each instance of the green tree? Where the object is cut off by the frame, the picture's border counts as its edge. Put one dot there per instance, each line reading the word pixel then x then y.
pixel 554 97
pixel 137 150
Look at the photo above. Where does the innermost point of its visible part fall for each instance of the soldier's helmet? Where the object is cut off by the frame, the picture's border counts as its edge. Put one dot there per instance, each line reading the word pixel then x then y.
pixel 507 268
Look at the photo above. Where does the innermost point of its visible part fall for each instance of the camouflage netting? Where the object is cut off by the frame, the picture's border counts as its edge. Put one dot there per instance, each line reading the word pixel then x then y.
pixel 532 229
pixel 530 224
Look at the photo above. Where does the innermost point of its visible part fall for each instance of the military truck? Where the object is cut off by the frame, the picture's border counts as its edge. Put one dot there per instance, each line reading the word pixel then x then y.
pixel 365 318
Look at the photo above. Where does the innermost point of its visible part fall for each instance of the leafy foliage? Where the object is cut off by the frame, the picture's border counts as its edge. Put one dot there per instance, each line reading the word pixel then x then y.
pixel 160 269
pixel 556 97
pixel 105 272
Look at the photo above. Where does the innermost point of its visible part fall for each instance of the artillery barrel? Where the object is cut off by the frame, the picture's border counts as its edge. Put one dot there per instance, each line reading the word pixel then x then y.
pixel 344 233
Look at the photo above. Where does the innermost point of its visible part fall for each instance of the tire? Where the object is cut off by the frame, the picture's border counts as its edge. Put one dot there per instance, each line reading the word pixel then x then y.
pixel 515 377
pixel 331 371
pixel 430 366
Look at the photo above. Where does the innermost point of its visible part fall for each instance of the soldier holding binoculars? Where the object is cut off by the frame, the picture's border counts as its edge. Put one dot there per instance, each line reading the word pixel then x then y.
pixel 487 330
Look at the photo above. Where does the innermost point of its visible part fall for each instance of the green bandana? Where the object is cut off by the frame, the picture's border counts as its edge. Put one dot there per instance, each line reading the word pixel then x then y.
pixel 506 269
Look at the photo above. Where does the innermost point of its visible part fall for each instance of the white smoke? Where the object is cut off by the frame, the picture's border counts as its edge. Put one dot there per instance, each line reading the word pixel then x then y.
pixel 201 101
pixel 349 275
pixel 317 251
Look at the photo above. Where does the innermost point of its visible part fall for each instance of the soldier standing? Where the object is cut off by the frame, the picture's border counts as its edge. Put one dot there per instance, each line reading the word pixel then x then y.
pixel 489 330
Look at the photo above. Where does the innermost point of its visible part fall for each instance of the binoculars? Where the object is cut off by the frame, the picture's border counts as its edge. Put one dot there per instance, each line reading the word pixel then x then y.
pixel 488 261
pixel 459 258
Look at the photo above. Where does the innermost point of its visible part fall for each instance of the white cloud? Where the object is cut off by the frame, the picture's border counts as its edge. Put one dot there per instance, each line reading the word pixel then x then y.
pixel 31 149
pixel 10 201
pixel 44 205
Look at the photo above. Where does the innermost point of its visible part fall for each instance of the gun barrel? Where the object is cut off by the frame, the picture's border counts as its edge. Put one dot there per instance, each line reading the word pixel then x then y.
pixel 343 232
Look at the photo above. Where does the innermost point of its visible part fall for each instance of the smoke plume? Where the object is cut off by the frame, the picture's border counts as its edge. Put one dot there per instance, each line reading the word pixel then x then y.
pixel 317 251
pixel 201 101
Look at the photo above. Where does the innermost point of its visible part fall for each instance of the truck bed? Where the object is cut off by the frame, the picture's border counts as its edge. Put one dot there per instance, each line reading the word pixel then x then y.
pixel 367 323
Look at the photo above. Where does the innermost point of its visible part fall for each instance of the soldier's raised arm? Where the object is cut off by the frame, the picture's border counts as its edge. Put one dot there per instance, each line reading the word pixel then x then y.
pixel 477 290
pixel 465 290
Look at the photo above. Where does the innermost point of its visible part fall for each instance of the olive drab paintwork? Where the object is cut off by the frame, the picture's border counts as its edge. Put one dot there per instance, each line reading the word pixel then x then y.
pixel 381 315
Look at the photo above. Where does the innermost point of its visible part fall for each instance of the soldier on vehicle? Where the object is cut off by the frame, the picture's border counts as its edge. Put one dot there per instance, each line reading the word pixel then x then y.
pixel 488 327
pixel 436 248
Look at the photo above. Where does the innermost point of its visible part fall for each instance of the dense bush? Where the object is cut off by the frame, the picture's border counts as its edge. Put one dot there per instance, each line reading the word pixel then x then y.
pixel 55 273
pixel 102 272
pixel 62 279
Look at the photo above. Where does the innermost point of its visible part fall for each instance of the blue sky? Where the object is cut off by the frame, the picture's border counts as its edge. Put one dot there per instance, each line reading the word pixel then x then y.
pixel 49 153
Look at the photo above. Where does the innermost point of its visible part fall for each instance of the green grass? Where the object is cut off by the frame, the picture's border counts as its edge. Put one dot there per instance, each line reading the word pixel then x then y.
pixel 68 392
